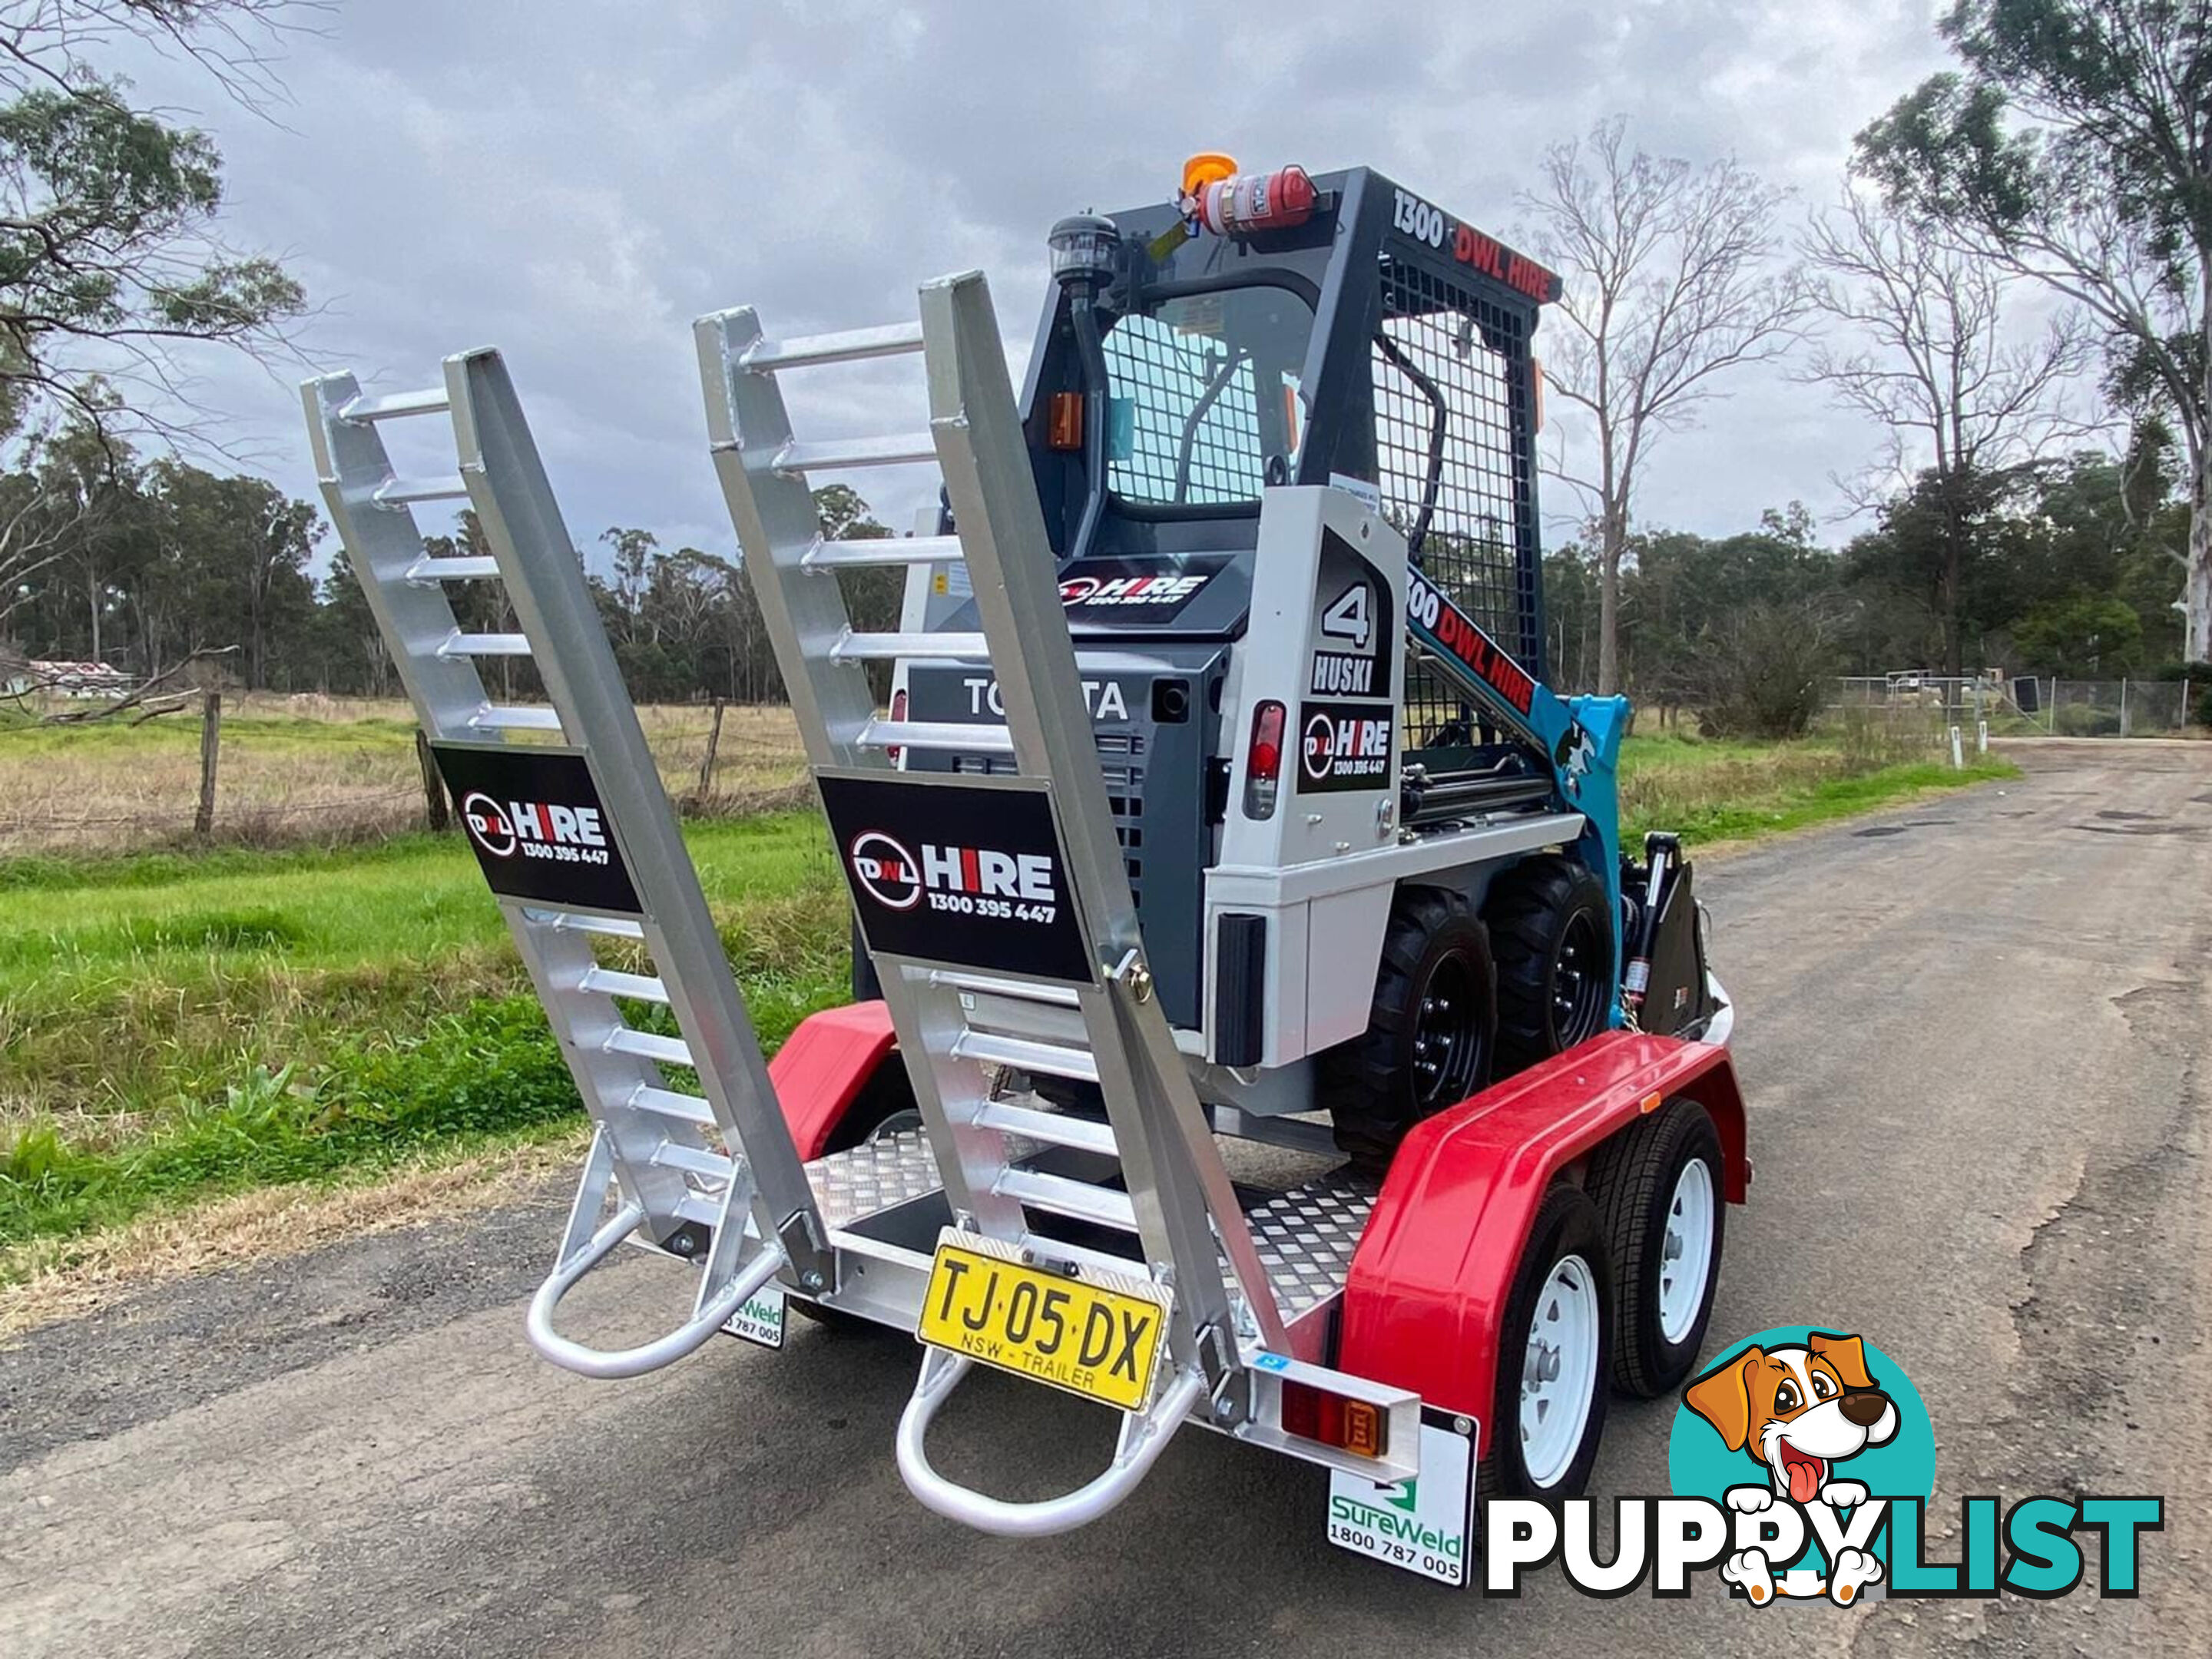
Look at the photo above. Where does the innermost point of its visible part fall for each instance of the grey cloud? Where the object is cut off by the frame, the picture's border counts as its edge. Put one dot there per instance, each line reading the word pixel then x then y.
pixel 576 182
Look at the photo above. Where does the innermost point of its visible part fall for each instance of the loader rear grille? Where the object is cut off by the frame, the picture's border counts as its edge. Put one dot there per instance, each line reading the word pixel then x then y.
pixel 1125 797
pixel 1442 343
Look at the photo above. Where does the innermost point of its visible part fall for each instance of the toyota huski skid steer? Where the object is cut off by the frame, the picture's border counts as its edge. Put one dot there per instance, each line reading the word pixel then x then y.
pixel 1221 801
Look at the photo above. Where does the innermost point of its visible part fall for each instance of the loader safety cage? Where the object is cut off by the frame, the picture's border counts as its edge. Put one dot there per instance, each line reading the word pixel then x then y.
pixel 1109 1249
pixel 1403 334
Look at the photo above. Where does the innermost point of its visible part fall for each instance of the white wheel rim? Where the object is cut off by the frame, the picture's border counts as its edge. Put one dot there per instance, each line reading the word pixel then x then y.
pixel 1558 1371
pixel 1686 1254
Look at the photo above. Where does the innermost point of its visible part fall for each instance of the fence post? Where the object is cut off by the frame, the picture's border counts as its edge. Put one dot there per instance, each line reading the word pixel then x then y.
pixel 434 809
pixel 1958 752
pixel 210 745
pixel 2123 705
pixel 706 764
pixel 1981 737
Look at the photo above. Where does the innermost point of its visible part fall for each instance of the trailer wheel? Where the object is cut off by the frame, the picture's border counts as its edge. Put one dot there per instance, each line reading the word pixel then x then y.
pixel 1551 927
pixel 1658 1185
pixel 1428 1042
pixel 1549 1405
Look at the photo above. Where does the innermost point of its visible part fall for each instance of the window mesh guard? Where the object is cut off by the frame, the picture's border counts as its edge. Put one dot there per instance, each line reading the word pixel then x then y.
pixel 1442 346
pixel 1189 425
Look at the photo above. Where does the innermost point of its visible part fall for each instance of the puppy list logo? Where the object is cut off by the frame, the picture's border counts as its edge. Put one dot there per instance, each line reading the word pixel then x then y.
pixel 1802 1463
pixel 1822 1457
pixel 1797 1411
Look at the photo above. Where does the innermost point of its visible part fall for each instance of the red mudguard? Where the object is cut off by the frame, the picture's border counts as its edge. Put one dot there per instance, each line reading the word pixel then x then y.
pixel 1430 1280
pixel 823 1065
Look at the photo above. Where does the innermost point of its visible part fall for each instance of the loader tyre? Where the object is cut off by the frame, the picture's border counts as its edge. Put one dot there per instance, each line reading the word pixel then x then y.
pixel 1657 1189
pixel 1550 928
pixel 1428 1041
pixel 1548 1407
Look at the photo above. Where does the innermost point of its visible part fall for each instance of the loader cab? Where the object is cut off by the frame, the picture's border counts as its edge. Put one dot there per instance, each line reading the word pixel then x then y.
pixel 1380 346
pixel 1375 345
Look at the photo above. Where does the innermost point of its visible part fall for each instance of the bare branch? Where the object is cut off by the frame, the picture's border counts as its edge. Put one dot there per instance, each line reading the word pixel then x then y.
pixel 151 688
pixel 1676 277
pixel 1928 352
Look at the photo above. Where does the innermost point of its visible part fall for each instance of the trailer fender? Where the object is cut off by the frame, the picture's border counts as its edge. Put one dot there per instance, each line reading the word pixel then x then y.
pixel 824 1064
pixel 1429 1283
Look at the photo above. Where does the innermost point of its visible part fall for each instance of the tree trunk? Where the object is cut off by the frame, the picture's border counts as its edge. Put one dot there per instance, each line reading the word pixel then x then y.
pixel 1954 562
pixel 2196 598
pixel 1612 544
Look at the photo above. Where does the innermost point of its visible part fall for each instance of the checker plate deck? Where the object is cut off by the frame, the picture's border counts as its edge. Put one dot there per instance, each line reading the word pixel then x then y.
pixel 1305 1234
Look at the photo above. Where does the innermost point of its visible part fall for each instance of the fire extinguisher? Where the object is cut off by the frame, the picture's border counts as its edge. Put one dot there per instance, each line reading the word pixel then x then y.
pixel 1251 203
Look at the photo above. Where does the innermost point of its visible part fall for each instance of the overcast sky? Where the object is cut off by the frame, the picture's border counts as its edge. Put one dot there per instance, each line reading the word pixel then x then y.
pixel 574 180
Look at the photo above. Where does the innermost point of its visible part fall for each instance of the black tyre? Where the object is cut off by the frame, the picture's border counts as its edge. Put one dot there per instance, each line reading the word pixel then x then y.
pixel 1657 1188
pixel 1428 1042
pixel 1550 932
pixel 1548 1410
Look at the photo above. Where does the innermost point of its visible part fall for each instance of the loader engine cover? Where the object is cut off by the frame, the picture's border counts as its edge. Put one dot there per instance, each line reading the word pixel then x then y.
pixel 1155 711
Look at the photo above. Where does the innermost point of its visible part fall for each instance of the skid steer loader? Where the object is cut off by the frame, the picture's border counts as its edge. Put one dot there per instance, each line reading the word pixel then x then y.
pixel 1221 801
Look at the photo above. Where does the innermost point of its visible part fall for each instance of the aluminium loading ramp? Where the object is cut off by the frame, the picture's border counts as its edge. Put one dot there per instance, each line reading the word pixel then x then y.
pixel 997 910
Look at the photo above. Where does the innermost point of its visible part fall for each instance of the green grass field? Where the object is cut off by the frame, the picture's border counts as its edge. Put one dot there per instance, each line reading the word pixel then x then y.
pixel 172 1028
pixel 175 1025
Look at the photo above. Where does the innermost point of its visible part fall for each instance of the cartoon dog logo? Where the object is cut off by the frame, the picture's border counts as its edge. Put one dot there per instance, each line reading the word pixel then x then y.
pixel 1798 1412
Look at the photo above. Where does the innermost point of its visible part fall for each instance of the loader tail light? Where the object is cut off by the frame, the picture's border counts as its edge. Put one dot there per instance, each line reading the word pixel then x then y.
pixel 1263 761
pixel 1357 1426
pixel 893 751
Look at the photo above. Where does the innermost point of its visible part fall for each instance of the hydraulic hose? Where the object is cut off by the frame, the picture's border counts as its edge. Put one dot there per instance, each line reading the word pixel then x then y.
pixel 1091 347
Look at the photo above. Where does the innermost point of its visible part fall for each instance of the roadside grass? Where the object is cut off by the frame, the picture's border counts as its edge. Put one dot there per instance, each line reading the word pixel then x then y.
pixel 181 1029
pixel 1711 791
pixel 57 1278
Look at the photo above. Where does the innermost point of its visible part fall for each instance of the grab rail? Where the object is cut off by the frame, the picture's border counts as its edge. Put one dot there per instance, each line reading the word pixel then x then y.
pixel 705 1321
pixel 1143 1437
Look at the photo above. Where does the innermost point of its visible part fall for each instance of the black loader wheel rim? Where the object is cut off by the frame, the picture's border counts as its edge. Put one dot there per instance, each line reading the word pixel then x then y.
pixel 1447 1046
pixel 1578 984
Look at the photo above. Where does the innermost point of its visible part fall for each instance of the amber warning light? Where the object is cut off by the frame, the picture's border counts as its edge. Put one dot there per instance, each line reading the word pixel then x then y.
pixel 1064 427
pixel 1353 1425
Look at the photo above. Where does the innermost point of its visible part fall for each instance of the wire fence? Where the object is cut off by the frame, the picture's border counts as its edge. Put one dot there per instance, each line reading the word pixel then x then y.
pixel 2028 705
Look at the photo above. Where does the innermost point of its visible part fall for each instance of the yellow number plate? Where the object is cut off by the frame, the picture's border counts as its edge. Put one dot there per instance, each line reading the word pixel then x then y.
pixel 1096 1334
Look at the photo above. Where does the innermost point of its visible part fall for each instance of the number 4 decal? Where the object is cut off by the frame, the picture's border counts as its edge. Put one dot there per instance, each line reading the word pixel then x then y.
pixel 1351 617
